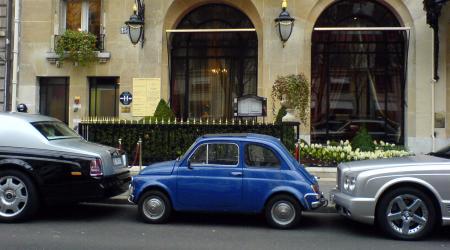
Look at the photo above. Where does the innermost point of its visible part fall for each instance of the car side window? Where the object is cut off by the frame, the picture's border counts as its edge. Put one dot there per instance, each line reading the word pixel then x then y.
pixel 199 156
pixel 216 154
pixel 260 157
pixel 223 154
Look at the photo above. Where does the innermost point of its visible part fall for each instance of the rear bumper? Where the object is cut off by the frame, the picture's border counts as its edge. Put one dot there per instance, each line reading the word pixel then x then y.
pixel 89 190
pixel 356 208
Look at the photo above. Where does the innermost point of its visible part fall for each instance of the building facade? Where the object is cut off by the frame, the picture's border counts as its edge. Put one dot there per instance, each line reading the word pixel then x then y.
pixel 370 62
pixel 5 52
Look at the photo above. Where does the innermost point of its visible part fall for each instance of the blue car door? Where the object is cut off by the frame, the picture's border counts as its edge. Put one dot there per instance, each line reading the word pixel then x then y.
pixel 211 180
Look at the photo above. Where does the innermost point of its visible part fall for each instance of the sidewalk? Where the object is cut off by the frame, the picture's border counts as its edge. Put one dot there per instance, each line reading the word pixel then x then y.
pixel 326 185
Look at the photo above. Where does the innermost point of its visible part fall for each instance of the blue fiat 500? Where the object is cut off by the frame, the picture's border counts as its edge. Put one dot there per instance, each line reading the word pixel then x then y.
pixel 248 173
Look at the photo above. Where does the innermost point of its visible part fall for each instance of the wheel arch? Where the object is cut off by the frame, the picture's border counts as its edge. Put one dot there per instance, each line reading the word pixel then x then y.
pixel 156 187
pixel 412 183
pixel 293 193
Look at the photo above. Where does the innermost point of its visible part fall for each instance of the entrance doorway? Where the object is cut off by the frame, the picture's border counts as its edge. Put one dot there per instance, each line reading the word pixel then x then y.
pixel 53 97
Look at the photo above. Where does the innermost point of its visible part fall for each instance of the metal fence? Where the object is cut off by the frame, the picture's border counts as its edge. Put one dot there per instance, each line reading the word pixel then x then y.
pixel 166 140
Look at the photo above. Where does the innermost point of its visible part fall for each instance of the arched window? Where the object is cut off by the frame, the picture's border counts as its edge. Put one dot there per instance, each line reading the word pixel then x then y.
pixel 210 69
pixel 358 76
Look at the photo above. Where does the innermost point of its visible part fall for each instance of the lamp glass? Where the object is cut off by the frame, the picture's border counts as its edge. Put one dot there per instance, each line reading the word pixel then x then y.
pixel 135 33
pixel 285 29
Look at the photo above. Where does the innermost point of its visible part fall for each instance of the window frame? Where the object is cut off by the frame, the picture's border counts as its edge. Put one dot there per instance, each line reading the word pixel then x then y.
pixel 84 16
pixel 207 155
pixel 277 156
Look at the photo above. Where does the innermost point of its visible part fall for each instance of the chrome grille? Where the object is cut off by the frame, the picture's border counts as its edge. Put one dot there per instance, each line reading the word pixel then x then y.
pixel 448 208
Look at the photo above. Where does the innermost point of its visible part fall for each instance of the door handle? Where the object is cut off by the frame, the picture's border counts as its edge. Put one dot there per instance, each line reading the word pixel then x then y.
pixel 235 173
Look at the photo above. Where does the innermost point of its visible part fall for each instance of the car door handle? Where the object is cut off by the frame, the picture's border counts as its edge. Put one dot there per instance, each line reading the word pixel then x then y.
pixel 235 173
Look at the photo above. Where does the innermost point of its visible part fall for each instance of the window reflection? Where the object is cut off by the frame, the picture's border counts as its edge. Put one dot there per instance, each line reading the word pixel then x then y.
pixel 357 76
pixel 209 70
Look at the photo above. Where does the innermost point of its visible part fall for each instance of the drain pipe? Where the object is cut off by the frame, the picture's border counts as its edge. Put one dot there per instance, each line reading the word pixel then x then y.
pixel 433 93
pixel 6 89
pixel 15 70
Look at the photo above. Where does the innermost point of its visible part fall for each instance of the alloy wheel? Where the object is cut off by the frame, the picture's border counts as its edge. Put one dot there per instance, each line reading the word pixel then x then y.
pixel 407 214
pixel 13 196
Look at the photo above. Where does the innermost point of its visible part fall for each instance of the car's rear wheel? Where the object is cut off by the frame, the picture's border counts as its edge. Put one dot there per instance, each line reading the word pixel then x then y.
pixel 18 196
pixel 406 214
pixel 283 212
pixel 154 207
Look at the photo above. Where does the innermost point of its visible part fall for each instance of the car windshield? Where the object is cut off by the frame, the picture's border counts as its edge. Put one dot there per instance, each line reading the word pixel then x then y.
pixel 54 130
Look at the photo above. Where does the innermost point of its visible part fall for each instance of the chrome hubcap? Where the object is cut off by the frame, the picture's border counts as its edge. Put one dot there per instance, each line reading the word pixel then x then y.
pixel 283 212
pixel 407 214
pixel 154 208
pixel 13 196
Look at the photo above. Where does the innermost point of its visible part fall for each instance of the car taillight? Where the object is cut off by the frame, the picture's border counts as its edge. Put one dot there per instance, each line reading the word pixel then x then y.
pixel 315 187
pixel 96 168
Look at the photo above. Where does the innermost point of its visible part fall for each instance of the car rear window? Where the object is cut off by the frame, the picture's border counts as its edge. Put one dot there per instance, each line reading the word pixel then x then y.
pixel 53 130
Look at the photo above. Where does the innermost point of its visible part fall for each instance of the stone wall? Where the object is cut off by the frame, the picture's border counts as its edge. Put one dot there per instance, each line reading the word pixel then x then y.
pixel 41 21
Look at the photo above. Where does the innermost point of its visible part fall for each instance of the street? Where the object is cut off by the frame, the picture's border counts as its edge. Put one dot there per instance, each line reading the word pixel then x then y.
pixel 114 226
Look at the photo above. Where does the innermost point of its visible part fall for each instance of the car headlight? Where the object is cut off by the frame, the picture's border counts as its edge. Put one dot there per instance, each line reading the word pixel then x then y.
pixel 349 183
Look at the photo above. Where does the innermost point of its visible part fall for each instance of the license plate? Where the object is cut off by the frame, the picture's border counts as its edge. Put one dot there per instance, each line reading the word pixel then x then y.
pixel 117 161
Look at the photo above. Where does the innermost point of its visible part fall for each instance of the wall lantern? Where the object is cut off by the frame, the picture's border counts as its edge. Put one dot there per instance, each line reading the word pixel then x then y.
pixel 136 24
pixel 285 23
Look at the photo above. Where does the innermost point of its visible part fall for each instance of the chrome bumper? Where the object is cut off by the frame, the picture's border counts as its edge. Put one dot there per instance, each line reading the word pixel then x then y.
pixel 321 200
pixel 356 208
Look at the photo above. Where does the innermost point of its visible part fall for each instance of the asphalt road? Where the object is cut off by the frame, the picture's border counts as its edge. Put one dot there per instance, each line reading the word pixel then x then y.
pixel 107 226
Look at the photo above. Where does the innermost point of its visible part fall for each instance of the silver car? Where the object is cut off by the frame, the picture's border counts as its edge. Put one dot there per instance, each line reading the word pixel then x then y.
pixel 407 197
pixel 44 161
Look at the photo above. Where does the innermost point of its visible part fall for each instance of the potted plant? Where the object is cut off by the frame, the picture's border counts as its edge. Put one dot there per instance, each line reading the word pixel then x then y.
pixel 293 93
pixel 76 46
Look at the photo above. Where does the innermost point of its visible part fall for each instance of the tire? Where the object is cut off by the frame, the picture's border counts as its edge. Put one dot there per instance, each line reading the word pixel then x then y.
pixel 283 212
pixel 18 196
pixel 154 207
pixel 406 214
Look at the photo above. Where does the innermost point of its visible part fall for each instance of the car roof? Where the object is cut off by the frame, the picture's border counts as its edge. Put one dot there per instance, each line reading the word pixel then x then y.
pixel 241 136
pixel 28 117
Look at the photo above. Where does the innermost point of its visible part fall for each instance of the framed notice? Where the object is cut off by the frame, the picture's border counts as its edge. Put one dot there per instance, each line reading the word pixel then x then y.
pixel 146 95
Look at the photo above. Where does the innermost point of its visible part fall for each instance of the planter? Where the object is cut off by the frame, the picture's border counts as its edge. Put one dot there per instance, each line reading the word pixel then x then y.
pixel 290 112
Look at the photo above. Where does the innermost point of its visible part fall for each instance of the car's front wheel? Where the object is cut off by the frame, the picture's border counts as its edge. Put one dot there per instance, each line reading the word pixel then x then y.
pixel 18 196
pixel 406 214
pixel 283 212
pixel 154 207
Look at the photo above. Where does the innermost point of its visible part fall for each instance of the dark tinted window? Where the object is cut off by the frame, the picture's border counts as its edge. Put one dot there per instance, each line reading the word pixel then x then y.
pixel 199 157
pixel 261 157
pixel 223 154
pixel 55 130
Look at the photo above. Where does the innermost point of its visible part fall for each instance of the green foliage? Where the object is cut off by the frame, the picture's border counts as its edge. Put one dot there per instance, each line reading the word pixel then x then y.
pixel 167 141
pixel 77 46
pixel 363 140
pixel 162 113
pixel 294 90
pixel 289 138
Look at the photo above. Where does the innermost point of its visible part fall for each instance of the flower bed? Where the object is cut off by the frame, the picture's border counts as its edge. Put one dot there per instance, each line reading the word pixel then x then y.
pixel 332 154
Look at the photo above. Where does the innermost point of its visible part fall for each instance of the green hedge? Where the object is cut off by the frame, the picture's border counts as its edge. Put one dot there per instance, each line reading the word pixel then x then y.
pixel 168 141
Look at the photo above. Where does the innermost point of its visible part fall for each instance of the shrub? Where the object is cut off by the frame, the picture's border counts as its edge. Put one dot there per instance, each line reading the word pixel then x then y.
pixel 77 46
pixel 288 131
pixel 162 113
pixel 363 140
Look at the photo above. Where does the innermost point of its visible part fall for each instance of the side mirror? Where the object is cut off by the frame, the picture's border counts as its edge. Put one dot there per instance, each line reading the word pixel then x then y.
pixel 189 164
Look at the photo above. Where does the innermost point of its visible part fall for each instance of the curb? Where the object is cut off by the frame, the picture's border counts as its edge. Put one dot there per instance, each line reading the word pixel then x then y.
pixel 122 201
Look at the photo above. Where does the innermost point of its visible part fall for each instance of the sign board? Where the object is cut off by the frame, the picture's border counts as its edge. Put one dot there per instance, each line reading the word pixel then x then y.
pixel 126 98
pixel 146 95
pixel 250 106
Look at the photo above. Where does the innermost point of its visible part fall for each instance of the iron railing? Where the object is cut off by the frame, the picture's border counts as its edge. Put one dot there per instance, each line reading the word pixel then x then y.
pixel 165 140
